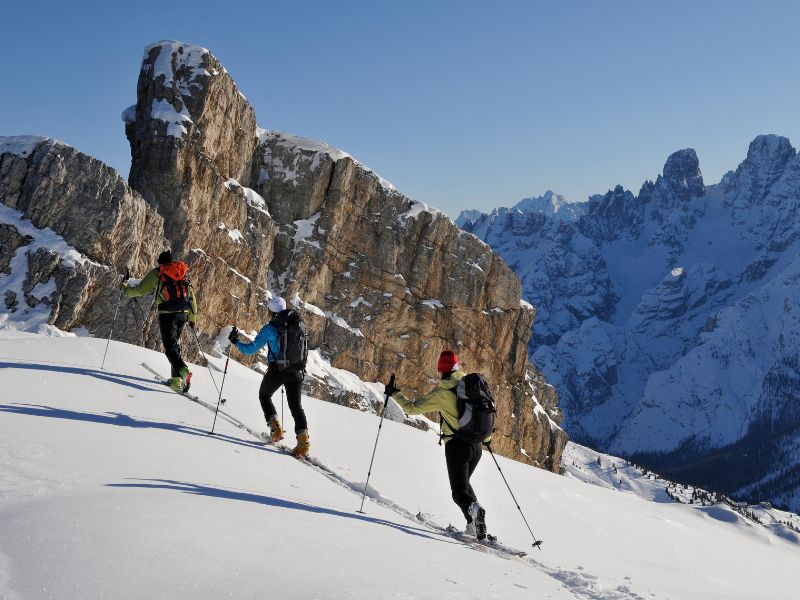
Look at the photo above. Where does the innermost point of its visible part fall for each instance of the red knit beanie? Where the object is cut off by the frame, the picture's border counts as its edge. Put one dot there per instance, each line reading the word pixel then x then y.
pixel 448 361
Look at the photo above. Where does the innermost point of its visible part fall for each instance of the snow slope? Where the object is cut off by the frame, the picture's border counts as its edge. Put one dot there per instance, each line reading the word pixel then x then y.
pixel 111 487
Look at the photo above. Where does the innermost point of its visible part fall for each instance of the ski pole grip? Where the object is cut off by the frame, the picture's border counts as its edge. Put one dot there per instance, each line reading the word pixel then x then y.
pixel 391 381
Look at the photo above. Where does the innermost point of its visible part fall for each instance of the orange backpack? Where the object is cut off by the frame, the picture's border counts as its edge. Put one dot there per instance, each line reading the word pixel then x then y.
pixel 174 280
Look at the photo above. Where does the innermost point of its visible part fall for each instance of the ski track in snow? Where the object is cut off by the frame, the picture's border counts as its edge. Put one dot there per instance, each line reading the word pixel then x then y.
pixel 582 585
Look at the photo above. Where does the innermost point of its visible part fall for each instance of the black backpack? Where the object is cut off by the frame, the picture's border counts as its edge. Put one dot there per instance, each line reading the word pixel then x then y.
pixel 292 340
pixel 476 410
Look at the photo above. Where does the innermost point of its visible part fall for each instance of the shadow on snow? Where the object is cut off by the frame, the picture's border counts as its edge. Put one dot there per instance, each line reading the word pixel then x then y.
pixel 217 492
pixel 119 420
pixel 117 378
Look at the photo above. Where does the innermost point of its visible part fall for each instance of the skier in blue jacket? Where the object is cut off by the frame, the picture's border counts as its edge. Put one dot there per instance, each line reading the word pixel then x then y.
pixel 286 368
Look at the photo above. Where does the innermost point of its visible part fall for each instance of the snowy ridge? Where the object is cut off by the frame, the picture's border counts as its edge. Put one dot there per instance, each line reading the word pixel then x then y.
pixel 551 204
pixel 612 472
pixel 316 148
pixel 21 145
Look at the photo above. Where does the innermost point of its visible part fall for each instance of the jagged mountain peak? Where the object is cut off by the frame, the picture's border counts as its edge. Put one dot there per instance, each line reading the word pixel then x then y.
pixel 682 170
pixel 766 161
pixel 770 145
pixel 549 203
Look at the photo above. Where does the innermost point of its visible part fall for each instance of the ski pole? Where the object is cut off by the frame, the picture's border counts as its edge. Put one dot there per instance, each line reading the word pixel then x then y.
pixel 369 472
pixel 281 404
pixel 208 365
pixel 224 373
pixel 536 543
pixel 114 320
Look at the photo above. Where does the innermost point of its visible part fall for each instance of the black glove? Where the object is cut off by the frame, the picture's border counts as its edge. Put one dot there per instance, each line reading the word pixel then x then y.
pixel 191 324
pixel 390 388
pixel 234 335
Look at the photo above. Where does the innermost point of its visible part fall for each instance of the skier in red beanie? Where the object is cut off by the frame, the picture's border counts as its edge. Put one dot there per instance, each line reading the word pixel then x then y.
pixel 461 456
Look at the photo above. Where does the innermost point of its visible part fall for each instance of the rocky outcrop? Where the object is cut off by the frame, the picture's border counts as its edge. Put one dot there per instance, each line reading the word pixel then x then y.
pixel 84 226
pixel 385 282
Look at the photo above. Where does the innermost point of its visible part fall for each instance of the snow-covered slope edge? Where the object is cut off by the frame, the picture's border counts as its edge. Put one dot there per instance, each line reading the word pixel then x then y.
pixel 613 472
pixel 132 497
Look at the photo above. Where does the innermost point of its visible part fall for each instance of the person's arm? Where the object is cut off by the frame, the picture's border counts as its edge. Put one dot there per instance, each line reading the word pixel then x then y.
pixel 193 306
pixel 439 399
pixel 268 335
pixel 146 285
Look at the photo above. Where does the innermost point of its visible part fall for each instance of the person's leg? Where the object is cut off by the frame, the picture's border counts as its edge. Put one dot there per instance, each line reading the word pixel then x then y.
pixel 269 385
pixel 294 387
pixel 476 511
pixel 171 325
pixel 475 458
pixel 458 455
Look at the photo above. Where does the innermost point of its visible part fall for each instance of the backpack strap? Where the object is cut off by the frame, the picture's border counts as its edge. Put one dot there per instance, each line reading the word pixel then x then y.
pixel 442 434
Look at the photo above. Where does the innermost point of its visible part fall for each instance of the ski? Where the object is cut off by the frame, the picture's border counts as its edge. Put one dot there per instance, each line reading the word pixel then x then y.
pixel 165 382
pixel 490 541
pixel 211 407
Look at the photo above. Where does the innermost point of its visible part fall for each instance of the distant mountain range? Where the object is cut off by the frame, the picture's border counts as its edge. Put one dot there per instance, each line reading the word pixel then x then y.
pixel 669 321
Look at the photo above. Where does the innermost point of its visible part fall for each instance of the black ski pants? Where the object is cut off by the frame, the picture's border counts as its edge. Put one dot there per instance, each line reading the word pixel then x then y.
pixel 462 458
pixel 293 382
pixel 171 325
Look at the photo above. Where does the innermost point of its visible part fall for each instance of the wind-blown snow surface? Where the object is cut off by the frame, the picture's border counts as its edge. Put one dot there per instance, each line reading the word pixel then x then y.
pixel 111 487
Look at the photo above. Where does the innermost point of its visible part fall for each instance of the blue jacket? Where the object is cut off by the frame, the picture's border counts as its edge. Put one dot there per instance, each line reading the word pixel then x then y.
pixel 267 336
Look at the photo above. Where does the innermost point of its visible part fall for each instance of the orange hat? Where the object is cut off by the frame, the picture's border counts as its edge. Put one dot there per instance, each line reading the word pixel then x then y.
pixel 448 361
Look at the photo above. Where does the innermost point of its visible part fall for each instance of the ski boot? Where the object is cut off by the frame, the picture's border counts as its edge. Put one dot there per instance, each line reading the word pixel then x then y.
pixel 176 383
pixel 303 444
pixel 469 530
pixel 275 430
pixel 186 378
pixel 478 515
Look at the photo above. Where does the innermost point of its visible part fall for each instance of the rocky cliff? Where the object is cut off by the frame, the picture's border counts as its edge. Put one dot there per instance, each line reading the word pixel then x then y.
pixel 95 226
pixel 385 282
pixel 667 320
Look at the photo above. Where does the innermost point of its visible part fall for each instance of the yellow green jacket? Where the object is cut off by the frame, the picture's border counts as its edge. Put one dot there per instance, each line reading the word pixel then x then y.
pixel 151 283
pixel 441 399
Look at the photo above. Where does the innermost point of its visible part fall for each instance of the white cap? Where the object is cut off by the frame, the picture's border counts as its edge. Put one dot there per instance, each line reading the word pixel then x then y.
pixel 276 304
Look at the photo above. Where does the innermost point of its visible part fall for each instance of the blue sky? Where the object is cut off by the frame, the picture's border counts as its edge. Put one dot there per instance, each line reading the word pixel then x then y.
pixel 459 104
